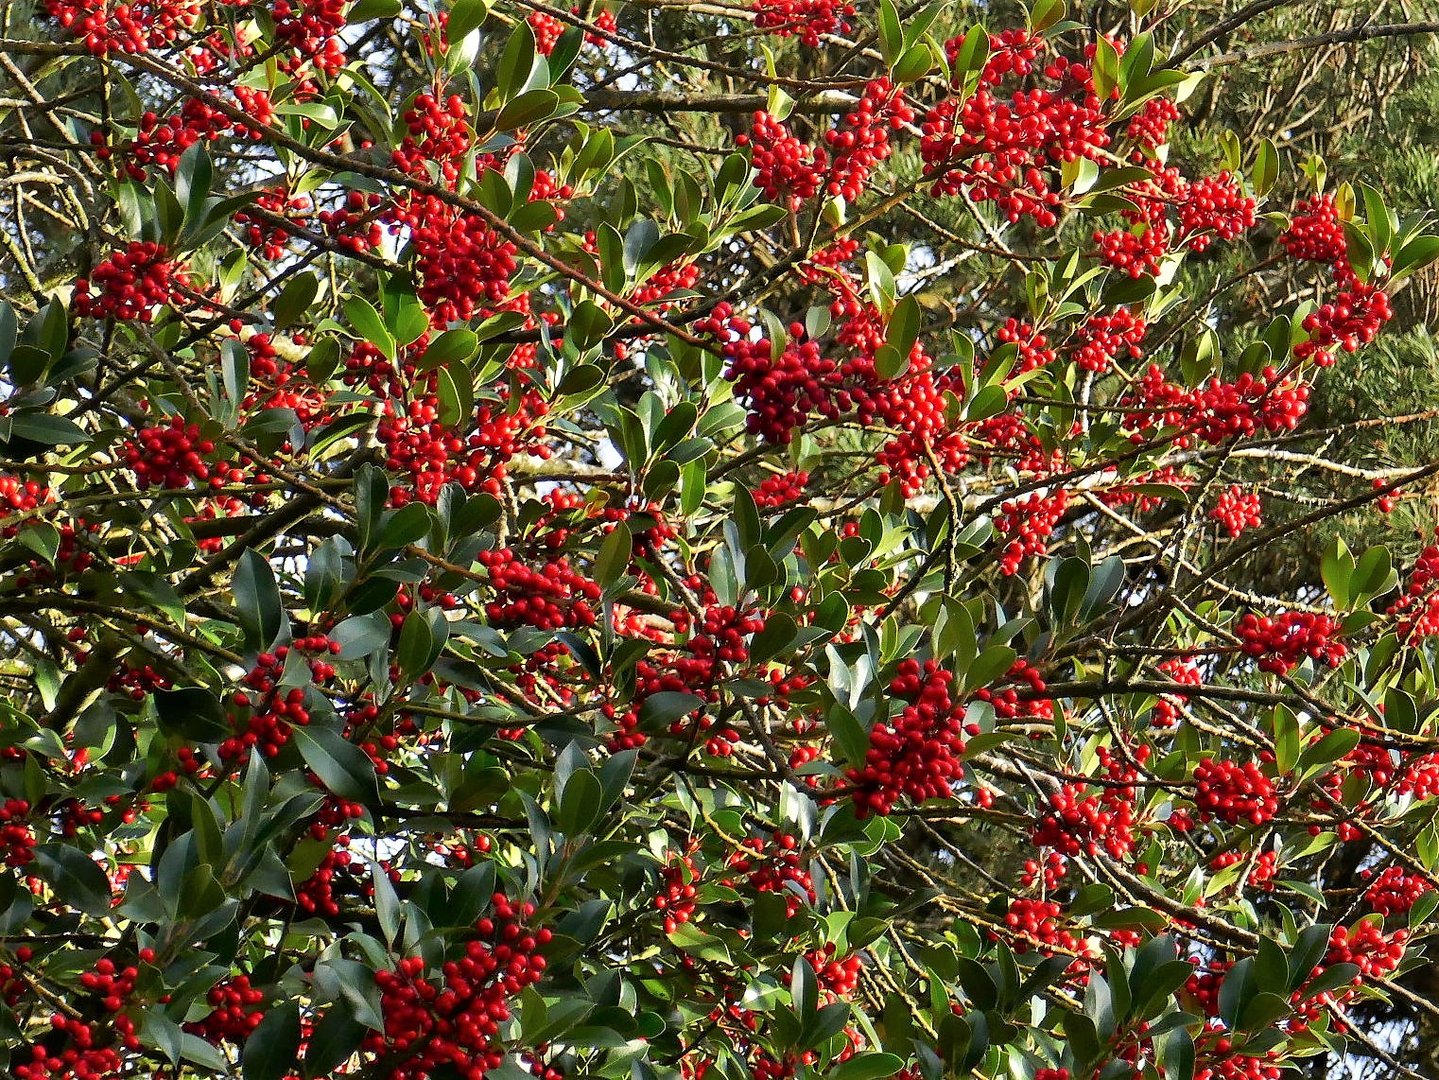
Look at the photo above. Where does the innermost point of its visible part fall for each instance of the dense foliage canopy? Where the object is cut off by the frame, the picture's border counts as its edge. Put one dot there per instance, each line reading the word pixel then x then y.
pixel 706 539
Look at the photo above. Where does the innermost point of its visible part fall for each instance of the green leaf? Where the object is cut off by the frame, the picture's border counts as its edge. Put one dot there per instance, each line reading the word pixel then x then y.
pixel 77 880
pixel 465 15
pixel 234 370
pixel 366 10
pixel 614 555
pixel 9 331
pixel 456 393
pixel 804 989
pixel 341 766
pixel 529 108
pixel 903 329
pixel 1286 739
pixel 452 347
pixel 1176 1055
pixel 257 596
pixel 1266 167
pixel 1373 576
pixel 516 62
pixel 1330 748
pixel 335 1039
pixel 581 804
pixel 1044 14
pixel 42 538
pixel 1415 255
pixel 191 712
pixel 1106 67
pixel 667 706
pixel 295 299
pixel 272 1048
pixel 193 179
pixel 915 64
pixel 367 321
pixel 1336 568
pixel 973 53
pixel 46 429
pixel 891 34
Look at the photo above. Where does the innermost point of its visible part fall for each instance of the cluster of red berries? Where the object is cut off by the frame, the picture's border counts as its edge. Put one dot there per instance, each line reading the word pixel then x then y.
pixel 72 816
pixel 131 284
pixel 1237 510
pixel 265 722
pixel 1284 642
pixel 1234 792
pixel 1315 233
pixel 162 140
pixel 551 596
pixel 791 171
pixel 311 29
pixel 1395 773
pixel 172 455
pixel 1019 693
pixel 837 977
pixel 721 633
pixel 436 134
pixel 1034 350
pixel 809 20
pixel 1226 411
pixel 1136 252
pixel 1418 606
pixel 1104 339
pixel 1149 127
pixel 19 496
pixel 780 392
pixel 84 1057
pixel 453 1024
pixel 678 891
pixel 905 459
pixel 860 140
pixel 317 894
pixel 110 983
pixel 1393 892
pixel 1260 872
pixel 135 27
pixel 434 454
pixel 1078 823
pixel 1215 206
pixel 1028 522
pixel 236 1009
pixel 777 867
pixel 1169 707
pixel 548 29
pixel 781 489
pixel 268 239
pixel 17 839
pixel 1352 319
pixel 1008 151
pixel 1053 870
pixel 664 283
pixel 12 986
pixel 1210 208
pixel 787 168
pixel 1037 922
pixel 1365 946
pixel 1224 1064
pixel 919 753
pixel 461 262
pixel 352 223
